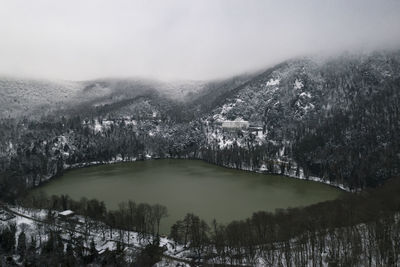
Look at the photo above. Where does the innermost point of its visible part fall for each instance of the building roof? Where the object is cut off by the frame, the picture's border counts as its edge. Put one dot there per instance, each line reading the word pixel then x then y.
pixel 235 123
pixel 66 213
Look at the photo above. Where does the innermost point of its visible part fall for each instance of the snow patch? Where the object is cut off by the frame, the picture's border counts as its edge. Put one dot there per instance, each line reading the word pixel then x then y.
pixel 97 126
pixel 298 84
pixel 273 82
pixel 305 94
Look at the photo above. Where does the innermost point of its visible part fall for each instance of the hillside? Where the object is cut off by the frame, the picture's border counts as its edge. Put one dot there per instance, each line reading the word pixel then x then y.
pixel 334 120
pixel 21 97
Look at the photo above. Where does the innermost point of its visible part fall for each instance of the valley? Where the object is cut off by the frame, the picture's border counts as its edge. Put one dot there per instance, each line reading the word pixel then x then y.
pixel 246 151
pixel 199 133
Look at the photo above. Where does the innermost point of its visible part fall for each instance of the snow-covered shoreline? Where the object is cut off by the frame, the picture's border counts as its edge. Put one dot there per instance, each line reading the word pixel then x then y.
pixel 28 220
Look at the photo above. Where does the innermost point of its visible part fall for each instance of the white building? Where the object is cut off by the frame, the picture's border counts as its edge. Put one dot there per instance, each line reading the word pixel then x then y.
pixel 235 125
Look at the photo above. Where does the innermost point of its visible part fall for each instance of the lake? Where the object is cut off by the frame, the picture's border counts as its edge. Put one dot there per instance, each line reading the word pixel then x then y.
pixel 183 186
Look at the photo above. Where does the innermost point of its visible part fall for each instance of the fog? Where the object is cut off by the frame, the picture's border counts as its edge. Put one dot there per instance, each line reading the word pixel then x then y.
pixel 207 39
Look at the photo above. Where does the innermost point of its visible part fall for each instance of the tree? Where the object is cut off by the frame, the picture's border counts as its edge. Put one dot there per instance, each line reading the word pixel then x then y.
pixel 21 244
pixel 93 254
pixel 8 238
pixel 150 255
pixel 159 212
pixel 31 253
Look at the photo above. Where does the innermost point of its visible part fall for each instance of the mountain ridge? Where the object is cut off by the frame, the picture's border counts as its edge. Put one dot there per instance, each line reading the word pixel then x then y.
pixel 334 119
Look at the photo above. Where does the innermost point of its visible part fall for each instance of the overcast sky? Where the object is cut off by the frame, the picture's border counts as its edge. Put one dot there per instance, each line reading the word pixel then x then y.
pixel 203 39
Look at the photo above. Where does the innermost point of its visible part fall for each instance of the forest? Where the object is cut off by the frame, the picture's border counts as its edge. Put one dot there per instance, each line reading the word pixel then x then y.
pixel 337 121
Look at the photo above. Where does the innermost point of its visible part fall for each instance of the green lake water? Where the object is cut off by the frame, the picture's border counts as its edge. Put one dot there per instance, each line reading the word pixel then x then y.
pixel 184 186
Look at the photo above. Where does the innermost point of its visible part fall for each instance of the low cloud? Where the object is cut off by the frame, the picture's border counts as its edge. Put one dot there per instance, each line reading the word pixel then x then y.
pixel 183 39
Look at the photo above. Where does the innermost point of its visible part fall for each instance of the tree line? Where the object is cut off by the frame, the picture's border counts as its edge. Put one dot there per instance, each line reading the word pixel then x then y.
pixel 356 230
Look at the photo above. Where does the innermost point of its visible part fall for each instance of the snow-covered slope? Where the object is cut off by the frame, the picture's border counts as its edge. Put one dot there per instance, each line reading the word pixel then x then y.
pixel 336 118
pixel 25 96
pixel 301 88
pixel 332 115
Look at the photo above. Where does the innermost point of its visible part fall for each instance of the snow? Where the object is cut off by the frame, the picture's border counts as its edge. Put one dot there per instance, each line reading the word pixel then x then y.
pixel 218 117
pixel 226 108
pixel 282 151
pixel 97 126
pixel 218 138
pixel 263 167
pixel 130 122
pixel 66 213
pixel 224 144
pixel 273 82
pixel 31 94
pixel 175 253
pixel 107 122
pixel 305 94
pixel 298 84
pixel 23 221
pixel 102 243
